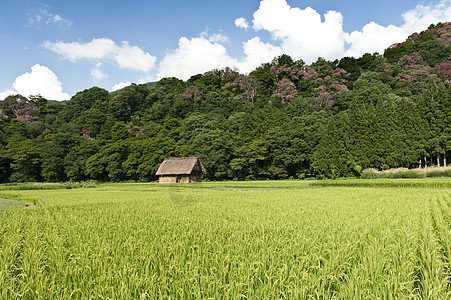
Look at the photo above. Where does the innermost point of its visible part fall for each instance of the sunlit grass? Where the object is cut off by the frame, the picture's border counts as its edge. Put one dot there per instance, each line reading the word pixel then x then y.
pixel 227 240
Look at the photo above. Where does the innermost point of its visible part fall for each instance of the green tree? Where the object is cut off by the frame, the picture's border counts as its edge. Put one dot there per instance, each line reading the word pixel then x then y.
pixel 25 157
pixel 78 154
pixel 332 157
pixel 291 146
pixel 90 98
pixel 215 148
pixel 53 152
pixel 145 156
pixel 250 161
pixel 106 165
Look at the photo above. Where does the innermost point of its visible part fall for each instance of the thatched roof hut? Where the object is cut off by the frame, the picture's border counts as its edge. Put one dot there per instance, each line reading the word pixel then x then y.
pixel 181 170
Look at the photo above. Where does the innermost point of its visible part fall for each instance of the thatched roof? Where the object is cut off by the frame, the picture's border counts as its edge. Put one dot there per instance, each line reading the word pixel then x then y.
pixel 179 166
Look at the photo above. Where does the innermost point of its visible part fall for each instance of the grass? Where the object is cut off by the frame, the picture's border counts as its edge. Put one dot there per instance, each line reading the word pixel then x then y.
pixel 386 183
pixel 407 173
pixel 45 186
pixel 254 240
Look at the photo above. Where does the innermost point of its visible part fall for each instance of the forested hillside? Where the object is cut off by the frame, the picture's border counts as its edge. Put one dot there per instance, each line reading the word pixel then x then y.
pixel 285 119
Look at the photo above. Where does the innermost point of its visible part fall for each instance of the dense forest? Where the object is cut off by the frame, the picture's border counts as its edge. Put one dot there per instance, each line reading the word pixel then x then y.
pixel 285 119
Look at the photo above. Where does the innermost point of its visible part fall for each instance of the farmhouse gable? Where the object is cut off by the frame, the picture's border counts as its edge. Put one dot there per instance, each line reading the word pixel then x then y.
pixel 181 170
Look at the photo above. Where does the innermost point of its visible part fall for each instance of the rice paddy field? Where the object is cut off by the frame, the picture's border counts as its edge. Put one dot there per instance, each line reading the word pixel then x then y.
pixel 235 240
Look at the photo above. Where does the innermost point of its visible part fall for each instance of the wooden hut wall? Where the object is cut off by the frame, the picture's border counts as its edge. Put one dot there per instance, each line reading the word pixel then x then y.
pixel 168 179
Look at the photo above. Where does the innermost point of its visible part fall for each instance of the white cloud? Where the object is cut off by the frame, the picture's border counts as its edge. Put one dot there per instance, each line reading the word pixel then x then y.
pixel 215 38
pixel 104 49
pixel 303 34
pixel 194 56
pixel 43 15
pixel 120 85
pixel 421 17
pixel 373 38
pixel 242 23
pixel 257 53
pixel 376 38
pixel 95 49
pixel 98 75
pixel 218 38
pixel 40 81
pixel 200 54
pixel 7 93
pixel 57 19
pixel 300 33
pixel 134 58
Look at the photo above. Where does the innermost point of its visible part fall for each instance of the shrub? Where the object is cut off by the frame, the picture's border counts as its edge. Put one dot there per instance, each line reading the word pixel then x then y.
pixel 409 174
pixel 369 174
pixel 436 173
pixel 385 184
pixel 386 175
pixel 375 174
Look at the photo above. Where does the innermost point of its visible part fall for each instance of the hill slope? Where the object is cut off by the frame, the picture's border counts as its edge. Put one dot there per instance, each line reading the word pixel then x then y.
pixel 285 119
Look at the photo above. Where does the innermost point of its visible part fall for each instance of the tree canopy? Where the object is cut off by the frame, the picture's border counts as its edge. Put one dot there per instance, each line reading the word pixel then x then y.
pixel 285 119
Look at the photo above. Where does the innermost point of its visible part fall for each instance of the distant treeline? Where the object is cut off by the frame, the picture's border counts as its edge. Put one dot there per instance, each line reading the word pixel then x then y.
pixel 285 119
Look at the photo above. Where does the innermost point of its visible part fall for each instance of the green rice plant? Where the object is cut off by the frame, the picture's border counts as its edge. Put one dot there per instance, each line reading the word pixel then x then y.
pixel 134 241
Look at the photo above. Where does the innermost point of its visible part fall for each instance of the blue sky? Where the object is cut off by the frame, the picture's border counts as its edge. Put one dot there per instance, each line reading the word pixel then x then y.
pixel 57 47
